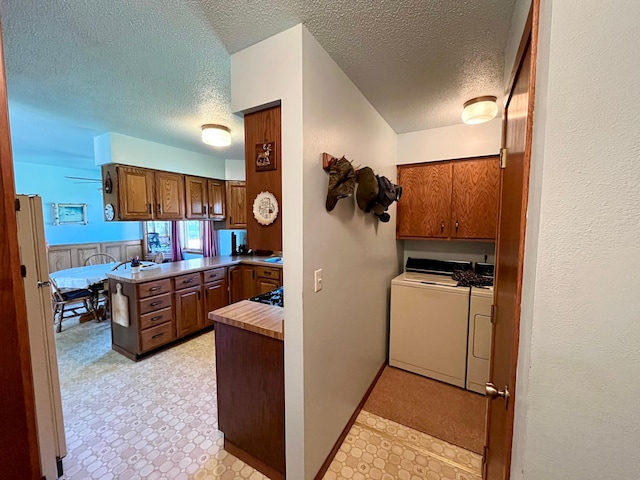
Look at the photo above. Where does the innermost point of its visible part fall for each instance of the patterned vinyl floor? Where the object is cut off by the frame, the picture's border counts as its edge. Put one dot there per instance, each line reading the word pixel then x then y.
pixel 154 419
pixel 157 419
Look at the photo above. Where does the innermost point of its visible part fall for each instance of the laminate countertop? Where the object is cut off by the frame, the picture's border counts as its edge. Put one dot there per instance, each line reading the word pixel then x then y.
pixel 255 317
pixel 172 269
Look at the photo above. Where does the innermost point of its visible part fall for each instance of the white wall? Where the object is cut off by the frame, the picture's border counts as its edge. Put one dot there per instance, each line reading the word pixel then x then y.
pixel 579 357
pixel 446 143
pixel 234 170
pixel 256 79
pixel 345 324
pixel 117 148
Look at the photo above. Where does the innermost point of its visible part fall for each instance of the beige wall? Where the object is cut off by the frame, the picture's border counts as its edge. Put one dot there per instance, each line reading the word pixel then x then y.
pixel 345 324
pixel 579 361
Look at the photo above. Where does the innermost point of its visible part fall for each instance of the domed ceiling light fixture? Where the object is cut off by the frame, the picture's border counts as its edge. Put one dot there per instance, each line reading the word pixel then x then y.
pixel 479 110
pixel 216 135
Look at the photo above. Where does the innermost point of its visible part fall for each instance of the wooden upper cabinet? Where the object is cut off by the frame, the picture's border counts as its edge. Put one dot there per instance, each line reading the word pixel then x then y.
pixel 136 193
pixel 475 198
pixel 236 204
pixel 169 196
pixel 197 197
pixel 217 194
pixel 425 207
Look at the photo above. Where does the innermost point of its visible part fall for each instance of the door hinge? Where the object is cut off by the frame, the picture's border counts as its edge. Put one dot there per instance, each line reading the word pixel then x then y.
pixel 23 271
pixel 503 158
pixel 17 204
pixel 493 313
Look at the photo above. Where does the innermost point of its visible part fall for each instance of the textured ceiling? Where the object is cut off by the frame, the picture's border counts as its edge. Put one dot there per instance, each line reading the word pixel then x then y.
pixel 158 70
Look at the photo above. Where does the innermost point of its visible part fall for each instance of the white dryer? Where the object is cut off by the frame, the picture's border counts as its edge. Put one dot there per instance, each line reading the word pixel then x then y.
pixel 429 326
pixel 479 347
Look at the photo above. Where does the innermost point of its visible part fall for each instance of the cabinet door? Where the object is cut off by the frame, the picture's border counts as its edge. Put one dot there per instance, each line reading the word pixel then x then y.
pixel 236 289
pixel 248 282
pixel 475 198
pixel 265 285
pixel 216 295
pixel 189 317
pixel 169 196
pixel 236 204
pixel 135 187
pixel 197 197
pixel 425 207
pixel 217 210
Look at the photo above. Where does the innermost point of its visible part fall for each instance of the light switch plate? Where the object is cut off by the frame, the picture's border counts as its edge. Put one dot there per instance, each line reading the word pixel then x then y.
pixel 318 280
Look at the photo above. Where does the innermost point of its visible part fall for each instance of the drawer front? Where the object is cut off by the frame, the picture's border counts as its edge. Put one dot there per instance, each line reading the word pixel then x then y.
pixel 156 336
pixel 215 275
pixel 151 289
pixel 187 281
pixel 154 319
pixel 266 272
pixel 154 304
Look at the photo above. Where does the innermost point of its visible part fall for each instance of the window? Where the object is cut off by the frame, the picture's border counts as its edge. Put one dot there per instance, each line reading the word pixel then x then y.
pixel 192 236
pixel 158 236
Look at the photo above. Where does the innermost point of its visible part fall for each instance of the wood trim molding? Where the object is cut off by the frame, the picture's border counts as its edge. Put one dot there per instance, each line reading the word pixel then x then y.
pixel 18 441
pixel 252 461
pixel 345 431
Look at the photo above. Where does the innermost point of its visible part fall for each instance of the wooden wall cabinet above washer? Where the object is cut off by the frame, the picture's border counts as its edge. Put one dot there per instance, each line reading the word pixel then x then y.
pixel 449 200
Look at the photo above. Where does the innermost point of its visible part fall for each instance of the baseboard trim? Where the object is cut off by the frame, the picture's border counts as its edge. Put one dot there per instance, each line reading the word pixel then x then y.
pixel 252 461
pixel 345 431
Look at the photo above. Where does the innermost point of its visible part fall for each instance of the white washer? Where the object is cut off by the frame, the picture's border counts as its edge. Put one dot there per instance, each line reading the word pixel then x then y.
pixel 429 326
pixel 479 348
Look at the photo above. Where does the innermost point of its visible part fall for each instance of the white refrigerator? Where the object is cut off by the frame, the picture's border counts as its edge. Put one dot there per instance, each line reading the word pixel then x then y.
pixel 44 360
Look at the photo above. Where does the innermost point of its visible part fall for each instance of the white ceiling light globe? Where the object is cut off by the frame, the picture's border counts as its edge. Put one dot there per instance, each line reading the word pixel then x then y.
pixel 216 135
pixel 479 110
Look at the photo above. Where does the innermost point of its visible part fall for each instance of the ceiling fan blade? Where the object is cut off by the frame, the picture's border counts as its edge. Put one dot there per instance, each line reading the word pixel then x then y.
pixel 85 178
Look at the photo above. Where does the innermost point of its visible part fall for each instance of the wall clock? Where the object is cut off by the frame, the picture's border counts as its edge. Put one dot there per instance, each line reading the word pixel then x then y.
pixel 108 212
pixel 265 208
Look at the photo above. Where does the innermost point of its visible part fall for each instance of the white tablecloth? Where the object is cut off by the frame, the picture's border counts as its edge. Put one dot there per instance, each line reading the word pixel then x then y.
pixel 82 277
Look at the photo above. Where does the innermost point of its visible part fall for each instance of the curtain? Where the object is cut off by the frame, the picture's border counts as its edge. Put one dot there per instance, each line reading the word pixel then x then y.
pixel 176 242
pixel 210 240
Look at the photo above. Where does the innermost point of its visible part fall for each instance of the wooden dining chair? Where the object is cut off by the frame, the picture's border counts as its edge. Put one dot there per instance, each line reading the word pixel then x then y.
pixel 68 301
pixel 99 259
pixel 103 291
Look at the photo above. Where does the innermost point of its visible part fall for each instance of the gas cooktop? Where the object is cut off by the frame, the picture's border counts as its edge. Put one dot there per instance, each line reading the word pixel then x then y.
pixel 274 297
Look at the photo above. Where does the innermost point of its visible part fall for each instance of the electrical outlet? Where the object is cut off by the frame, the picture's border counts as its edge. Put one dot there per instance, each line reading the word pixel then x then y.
pixel 318 280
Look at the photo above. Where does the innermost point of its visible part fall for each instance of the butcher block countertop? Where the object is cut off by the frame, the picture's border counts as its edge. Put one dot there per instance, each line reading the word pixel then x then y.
pixel 255 317
pixel 172 269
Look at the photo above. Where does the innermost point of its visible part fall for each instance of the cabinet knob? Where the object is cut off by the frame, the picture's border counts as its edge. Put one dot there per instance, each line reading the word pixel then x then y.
pixel 457 225
pixel 442 227
pixel 160 209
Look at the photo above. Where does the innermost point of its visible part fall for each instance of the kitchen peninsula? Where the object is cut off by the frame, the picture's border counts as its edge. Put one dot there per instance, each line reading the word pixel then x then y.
pixel 156 307
pixel 250 380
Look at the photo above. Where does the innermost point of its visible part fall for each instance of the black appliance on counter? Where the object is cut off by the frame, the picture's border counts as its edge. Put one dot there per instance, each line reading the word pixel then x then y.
pixel 274 297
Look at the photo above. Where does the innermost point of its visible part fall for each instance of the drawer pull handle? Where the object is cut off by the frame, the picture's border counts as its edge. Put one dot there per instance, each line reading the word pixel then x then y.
pixel 267 274
pixel 153 289
pixel 156 318
pixel 158 335
pixel 188 281
pixel 155 304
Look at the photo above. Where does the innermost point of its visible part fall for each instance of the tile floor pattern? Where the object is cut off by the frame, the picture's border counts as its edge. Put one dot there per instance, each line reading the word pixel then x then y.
pixel 154 419
pixel 378 448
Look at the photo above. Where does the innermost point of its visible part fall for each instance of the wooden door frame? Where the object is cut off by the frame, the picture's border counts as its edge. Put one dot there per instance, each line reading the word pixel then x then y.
pixel 18 441
pixel 529 39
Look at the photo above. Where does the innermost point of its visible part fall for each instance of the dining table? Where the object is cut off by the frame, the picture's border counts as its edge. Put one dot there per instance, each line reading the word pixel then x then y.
pixel 82 277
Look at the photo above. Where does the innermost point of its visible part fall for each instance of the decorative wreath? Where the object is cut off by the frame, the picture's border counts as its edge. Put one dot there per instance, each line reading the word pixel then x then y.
pixel 265 208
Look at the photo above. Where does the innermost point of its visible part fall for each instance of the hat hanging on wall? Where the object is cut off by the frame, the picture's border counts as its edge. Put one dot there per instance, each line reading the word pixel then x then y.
pixel 375 194
pixel 342 182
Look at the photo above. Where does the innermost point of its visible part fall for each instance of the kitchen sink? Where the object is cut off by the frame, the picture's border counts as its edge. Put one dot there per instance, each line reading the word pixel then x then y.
pixel 273 260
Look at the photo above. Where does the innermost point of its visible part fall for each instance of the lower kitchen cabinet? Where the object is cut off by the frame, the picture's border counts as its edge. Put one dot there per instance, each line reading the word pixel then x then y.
pixel 246 281
pixel 189 317
pixel 216 295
